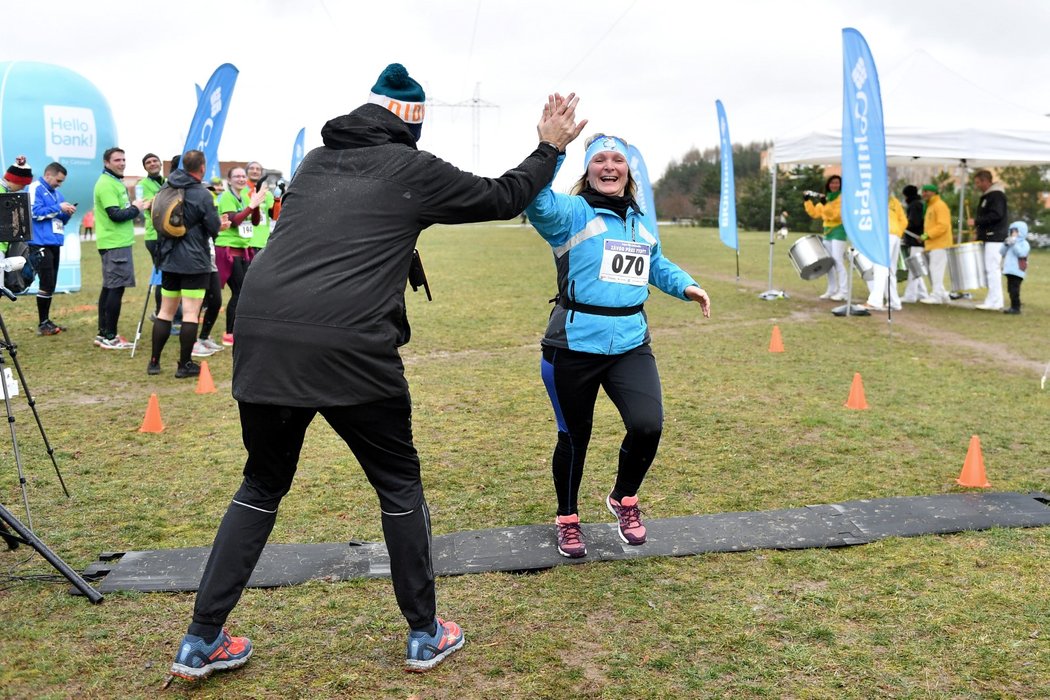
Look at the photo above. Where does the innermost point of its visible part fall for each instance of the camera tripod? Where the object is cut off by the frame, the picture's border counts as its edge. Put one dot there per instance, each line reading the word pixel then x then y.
pixel 23 534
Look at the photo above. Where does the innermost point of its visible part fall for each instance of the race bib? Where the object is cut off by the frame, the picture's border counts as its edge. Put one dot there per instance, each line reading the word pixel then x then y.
pixel 57 226
pixel 245 230
pixel 625 262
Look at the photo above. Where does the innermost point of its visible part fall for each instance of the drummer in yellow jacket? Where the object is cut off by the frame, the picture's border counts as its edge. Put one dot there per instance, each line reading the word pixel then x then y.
pixel 898 221
pixel 828 207
pixel 937 238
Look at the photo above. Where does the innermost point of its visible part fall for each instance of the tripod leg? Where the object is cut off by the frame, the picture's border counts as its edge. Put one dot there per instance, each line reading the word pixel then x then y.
pixel 53 559
pixel 11 425
pixel 142 318
pixel 13 351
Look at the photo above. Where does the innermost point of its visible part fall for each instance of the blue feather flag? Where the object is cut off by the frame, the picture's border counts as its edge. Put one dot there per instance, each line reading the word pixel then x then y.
pixel 208 121
pixel 644 197
pixel 727 199
pixel 298 151
pixel 864 194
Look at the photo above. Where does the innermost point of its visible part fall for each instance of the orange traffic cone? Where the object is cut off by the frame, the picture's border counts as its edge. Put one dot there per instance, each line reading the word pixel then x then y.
pixel 152 422
pixel 856 398
pixel 204 383
pixel 775 342
pixel 972 473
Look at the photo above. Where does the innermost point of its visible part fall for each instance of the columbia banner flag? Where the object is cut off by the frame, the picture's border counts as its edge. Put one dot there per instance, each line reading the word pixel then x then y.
pixel 727 198
pixel 298 150
pixel 212 105
pixel 864 195
pixel 645 189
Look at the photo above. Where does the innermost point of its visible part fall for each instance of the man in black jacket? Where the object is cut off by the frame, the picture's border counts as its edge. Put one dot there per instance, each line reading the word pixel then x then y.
pixel 331 286
pixel 911 243
pixel 185 264
pixel 991 223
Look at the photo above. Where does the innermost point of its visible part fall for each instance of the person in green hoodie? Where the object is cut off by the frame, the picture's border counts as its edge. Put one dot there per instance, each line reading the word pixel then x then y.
pixel 233 251
pixel 115 216
pixel 151 185
pixel 268 210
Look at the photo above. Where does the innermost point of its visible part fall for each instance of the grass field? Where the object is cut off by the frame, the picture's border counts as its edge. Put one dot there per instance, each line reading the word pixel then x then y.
pixel 962 616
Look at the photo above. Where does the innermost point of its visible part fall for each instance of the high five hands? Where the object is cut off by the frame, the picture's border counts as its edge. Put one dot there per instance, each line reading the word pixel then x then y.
pixel 558 123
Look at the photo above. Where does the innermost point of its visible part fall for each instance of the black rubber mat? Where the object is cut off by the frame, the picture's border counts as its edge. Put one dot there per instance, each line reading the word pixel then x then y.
pixel 532 547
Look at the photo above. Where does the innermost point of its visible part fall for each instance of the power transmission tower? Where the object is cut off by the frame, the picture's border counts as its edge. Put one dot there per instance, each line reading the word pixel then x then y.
pixel 476 104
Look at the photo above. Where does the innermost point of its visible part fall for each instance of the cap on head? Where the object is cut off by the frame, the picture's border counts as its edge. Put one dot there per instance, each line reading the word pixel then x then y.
pixel 930 188
pixel 19 172
pixel 399 93
pixel 910 190
pixel 602 143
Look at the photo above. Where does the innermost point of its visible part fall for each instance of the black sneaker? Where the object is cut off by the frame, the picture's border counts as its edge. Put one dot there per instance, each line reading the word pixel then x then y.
pixel 153 368
pixel 190 369
pixel 49 328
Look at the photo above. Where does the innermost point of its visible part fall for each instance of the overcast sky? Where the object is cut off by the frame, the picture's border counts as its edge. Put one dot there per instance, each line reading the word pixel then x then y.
pixel 649 71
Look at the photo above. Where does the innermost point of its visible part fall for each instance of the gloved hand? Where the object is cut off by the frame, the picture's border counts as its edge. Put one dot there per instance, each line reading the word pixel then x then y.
pixel 925 237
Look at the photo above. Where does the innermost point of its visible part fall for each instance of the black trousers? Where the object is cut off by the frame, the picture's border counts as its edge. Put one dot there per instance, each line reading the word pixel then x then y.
pixel 380 436
pixel 632 381
pixel 1013 287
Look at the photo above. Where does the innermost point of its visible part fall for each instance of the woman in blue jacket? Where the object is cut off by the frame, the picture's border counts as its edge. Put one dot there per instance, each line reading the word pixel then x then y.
pixel 598 335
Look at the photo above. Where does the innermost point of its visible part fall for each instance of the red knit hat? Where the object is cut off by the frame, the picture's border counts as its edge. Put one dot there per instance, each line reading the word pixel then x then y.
pixel 19 173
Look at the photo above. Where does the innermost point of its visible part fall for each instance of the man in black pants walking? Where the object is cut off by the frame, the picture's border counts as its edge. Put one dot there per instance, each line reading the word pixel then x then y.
pixel 356 207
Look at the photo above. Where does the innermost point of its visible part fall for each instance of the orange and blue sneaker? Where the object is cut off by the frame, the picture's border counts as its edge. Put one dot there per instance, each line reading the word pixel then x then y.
pixel 196 659
pixel 629 519
pixel 425 651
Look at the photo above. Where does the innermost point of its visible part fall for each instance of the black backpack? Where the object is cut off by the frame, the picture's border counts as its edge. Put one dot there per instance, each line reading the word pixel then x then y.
pixel 166 212
pixel 20 280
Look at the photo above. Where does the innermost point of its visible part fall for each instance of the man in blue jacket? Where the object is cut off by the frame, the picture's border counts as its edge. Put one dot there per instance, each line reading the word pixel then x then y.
pixel 51 212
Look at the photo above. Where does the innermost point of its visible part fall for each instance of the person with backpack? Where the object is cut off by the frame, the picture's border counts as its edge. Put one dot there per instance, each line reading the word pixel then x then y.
pixel 184 257
pixel 51 212
pixel 17 176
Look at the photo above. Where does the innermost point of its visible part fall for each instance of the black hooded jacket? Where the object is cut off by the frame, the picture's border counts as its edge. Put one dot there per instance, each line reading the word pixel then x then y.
pixel 992 220
pixel 321 313
pixel 190 254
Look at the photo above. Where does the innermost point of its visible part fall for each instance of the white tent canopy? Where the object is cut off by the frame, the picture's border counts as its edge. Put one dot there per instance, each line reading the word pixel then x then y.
pixel 932 116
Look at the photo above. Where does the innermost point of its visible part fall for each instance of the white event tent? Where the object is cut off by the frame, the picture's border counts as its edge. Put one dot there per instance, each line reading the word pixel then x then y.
pixel 932 116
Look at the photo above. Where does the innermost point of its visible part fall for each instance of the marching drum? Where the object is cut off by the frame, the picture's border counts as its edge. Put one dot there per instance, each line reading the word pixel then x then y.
pixel 916 262
pixel 966 266
pixel 809 257
pixel 864 266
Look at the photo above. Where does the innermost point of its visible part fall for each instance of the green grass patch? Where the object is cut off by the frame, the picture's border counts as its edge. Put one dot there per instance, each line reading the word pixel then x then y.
pixel 960 616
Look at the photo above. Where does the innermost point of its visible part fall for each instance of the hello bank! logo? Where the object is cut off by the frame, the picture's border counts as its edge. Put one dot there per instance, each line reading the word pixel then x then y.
pixel 69 132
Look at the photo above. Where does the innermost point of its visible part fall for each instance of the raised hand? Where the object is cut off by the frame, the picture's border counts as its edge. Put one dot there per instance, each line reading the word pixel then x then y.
pixel 558 122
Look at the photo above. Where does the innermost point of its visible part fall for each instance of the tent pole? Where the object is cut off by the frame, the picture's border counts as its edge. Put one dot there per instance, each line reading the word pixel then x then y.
pixel 772 219
pixel 770 293
pixel 962 198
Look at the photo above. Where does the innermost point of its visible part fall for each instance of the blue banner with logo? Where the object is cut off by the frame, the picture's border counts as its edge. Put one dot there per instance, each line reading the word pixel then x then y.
pixel 212 105
pixel 298 151
pixel 727 199
pixel 864 196
pixel 644 197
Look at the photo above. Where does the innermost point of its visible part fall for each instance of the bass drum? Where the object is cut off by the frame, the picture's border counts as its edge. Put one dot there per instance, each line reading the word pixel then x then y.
pixel 809 257
pixel 966 266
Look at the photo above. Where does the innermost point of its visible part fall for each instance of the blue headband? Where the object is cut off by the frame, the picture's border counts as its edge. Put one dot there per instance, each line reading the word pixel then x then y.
pixel 604 143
